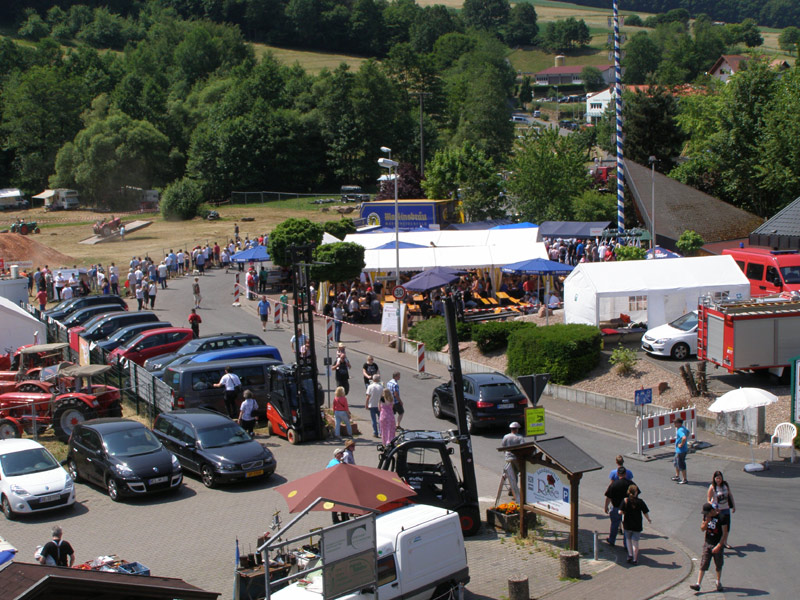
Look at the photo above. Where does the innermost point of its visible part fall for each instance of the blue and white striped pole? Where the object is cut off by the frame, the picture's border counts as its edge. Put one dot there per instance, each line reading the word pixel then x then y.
pixel 618 94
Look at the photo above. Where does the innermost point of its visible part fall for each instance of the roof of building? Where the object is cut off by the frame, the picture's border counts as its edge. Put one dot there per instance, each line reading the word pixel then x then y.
pixel 680 207
pixel 734 60
pixel 570 69
pixel 782 230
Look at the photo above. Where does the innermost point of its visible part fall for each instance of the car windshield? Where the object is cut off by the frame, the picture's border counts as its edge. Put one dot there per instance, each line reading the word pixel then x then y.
pixel 131 442
pixel 496 391
pixel 685 323
pixel 222 435
pixel 35 460
pixel 791 274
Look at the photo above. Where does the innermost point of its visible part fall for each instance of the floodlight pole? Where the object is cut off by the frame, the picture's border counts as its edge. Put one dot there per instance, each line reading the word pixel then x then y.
pixel 387 163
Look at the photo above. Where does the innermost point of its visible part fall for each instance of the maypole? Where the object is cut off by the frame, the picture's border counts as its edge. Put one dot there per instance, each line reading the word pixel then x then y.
pixel 618 102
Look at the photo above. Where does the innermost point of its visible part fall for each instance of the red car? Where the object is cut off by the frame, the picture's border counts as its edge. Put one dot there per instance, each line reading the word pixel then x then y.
pixel 151 343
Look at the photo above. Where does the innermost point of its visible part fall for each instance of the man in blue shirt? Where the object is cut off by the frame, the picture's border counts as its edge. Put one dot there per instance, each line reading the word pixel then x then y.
pixel 264 308
pixel 681 449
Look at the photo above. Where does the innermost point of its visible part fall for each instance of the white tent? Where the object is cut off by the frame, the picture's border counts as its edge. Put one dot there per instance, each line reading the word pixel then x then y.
pixel 651 291
pixel 19 327
pixel 452 237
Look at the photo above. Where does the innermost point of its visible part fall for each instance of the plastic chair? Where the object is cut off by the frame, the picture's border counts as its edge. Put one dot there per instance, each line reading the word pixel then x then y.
pixel 783 438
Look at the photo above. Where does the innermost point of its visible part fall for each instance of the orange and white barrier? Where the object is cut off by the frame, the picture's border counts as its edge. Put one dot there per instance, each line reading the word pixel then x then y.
pixel 236 292
pixel 653 431
pixel 277 314
pixel 420 357
pixel 329 330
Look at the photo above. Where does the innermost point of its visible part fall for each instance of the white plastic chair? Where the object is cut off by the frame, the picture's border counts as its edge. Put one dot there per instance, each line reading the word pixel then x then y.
pixel 783 438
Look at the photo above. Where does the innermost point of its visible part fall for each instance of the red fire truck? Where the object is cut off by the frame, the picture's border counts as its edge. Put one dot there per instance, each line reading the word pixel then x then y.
pixel 748 335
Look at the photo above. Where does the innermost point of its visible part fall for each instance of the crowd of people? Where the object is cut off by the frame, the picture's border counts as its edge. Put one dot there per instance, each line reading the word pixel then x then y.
pixel 573 251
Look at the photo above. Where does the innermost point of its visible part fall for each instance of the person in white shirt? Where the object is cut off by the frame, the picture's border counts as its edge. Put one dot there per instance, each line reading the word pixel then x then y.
pixel 247 416
pixel 59 283
pixel 374 395
pixel 162 274
pixel 181 258
pixel 512 463
pixel 232 384
pixel 66 293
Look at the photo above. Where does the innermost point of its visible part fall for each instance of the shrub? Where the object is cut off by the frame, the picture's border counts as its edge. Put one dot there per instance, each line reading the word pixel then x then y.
pixel 493 335
pixel 431 332
pixel 464 331
pixel 624 359
pixel 567 352
pixel 181 199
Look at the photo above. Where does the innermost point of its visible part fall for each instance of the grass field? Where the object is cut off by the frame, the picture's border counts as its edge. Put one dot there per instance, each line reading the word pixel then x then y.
pixel 313 62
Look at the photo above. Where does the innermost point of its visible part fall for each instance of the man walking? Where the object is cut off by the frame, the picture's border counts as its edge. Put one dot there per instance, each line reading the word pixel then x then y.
pixel 512 463
pixel 58 551
pixel 615 494
pixel 232 384
pixel 716 536
pixel 681 449
pixel 393 386
pixel 342 369
pixel 373 403
pixel 196 292
pixel 264 308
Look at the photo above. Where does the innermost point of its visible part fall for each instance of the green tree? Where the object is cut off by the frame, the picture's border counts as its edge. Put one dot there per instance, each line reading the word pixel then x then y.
pixel 181 199
pixel 341 228
pixel 409 184
pixel 345 262
pixel 489 15
pixel 566 35
pixel 641 60
pixel 522 28
pixel 525 91
pixel 432 22
pixel 789 40
pixel 592 79
pixel 690 242
pixel 292 232
pixel 34 27
pixel 651 128
pixel 633 21
pixel 548 173
pixel 592 205
pixel 629 253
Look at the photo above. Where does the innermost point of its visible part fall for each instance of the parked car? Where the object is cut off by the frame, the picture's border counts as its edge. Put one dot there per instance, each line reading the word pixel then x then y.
pixel 122 456
pixel 490 398
pixel 237 353
pixel 212 446
pixel 67 307
pixel 677 339
pixel 83 315
pixel 150 344
pixel 537 114
pixel 204 344
pixel 31 480
pixel 105 327
pixel 125 334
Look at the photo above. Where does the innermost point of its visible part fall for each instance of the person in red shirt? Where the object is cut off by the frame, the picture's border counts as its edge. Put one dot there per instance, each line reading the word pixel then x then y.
pixel 41 298
pixel 194 322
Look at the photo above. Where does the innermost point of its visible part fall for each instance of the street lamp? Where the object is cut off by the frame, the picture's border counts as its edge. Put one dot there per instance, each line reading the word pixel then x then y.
pixel 653 160
pixel 390 164
pixel 387 150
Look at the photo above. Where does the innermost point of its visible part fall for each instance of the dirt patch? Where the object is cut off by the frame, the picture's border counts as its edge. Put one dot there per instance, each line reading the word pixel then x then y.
pixel 18 247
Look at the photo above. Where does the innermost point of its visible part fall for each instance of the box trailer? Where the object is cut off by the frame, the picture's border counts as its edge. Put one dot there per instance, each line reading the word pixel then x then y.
pixel 749 335
pixel 59 199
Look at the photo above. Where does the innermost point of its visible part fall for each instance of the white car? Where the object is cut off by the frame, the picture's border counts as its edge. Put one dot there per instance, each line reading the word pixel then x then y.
pixel 677 340
pixel 31 480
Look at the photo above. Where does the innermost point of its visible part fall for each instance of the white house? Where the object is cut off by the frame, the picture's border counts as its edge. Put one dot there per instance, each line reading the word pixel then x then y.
pixel 570 75
pixel 597 103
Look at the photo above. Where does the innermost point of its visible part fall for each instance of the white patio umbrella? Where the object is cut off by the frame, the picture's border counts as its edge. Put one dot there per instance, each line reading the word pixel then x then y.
pixel 742 399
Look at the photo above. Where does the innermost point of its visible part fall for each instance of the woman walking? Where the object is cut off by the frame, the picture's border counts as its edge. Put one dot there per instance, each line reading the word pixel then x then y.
pixel 153 290
pixel 720 496
pixel 387 421
pixel 632 510
pixel 341 413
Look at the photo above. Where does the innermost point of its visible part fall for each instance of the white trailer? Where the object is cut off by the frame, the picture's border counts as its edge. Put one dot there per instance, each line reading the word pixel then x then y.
pixel 59 199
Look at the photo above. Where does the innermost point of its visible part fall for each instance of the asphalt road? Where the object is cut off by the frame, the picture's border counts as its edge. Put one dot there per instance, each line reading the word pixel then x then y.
pixel 191 534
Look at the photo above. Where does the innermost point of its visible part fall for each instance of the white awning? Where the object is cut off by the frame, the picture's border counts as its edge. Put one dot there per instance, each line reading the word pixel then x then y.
pixel 45 194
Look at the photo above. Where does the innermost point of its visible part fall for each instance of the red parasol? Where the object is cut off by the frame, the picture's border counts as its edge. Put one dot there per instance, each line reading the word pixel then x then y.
pixel 363 486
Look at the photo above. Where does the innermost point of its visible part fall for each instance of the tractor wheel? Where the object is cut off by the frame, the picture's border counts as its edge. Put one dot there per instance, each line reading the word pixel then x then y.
pixel 106 231
pixel 29 387
pixel 8 429
pixel 24 229
pixel 292 436
pixel 68 413
pixel 37 230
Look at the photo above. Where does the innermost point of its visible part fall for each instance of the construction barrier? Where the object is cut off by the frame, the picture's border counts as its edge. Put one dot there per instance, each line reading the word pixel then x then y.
pixel 236 292
pixel 658 429
pixel 420 358
pixel 329 330
pixel 277 314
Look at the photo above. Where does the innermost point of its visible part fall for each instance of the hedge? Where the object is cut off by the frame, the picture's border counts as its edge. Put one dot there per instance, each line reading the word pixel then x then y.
pixel 493 335
pixel 433 333
pixel 567 352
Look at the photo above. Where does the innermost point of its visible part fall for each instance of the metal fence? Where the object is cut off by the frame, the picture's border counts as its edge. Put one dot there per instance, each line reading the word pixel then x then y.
pixel 263 197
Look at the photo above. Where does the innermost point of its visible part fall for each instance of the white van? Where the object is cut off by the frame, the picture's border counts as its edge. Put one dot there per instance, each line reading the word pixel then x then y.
pixel 421 555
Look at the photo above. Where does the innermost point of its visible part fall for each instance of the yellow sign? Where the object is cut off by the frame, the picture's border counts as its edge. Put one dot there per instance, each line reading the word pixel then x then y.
pixel 534 421
pixel 84 354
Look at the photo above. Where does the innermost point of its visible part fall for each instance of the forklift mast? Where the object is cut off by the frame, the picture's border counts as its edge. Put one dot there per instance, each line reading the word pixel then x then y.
pixel 303 309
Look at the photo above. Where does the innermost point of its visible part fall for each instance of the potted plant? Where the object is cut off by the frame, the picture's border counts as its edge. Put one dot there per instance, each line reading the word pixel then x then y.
pixel 506 517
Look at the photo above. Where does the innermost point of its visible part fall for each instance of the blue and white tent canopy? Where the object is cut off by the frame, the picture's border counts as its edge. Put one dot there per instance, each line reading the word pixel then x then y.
pixel 257 254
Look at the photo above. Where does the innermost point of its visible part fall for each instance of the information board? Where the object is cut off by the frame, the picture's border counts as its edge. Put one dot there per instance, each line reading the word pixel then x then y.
pixel 389 318
pixel 534 421
pixel 548 492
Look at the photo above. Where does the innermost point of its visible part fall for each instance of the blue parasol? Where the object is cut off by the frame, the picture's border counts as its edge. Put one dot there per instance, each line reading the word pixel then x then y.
pixel 257 254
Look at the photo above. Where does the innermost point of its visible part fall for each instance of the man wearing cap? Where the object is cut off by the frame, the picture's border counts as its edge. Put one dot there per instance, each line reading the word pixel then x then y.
pixel 716 535
pixel 512 463
pixel 347 455
pixel 615 494
pixel 338 454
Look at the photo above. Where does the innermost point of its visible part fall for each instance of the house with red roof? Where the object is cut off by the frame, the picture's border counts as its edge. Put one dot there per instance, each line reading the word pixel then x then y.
pixel 571 75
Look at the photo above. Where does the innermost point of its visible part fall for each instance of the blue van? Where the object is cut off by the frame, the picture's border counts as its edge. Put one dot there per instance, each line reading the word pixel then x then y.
pixel 237 353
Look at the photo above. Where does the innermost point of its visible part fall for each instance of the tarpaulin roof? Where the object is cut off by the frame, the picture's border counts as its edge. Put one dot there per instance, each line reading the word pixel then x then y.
pixel 570 229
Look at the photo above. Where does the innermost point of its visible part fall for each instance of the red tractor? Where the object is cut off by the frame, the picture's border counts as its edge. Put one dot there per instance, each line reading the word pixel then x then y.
pixel 27 361
pixel 106 228
pixel 64 397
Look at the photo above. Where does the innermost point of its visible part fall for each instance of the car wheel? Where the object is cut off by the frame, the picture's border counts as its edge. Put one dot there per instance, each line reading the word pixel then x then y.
pixel 72 467
pixel 8 429
pixel 680 351
pixel 68 413
pixel 471 428
pixel 446 591
pixel 437 407
pixel 209 476
pixel 10 514
pixel 113 489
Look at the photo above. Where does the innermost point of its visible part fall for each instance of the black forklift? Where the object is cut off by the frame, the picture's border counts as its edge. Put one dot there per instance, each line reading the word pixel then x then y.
pixel 295 396
pixel 423 458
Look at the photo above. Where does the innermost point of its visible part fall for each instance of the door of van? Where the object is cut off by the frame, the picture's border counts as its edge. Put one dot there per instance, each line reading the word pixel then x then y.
pixel 203 393
pixel 754 271
pixel 253 378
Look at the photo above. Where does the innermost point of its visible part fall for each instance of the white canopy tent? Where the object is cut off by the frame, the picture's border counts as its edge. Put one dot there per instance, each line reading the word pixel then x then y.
pixel 19 327
pixel 452 237
pixel 651 291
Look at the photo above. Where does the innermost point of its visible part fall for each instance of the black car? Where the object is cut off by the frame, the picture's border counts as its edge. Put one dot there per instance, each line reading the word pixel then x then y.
pixel 123 456
pixel 219 341
pixel 212 446
pixel 84 315
pixel 105 327
pixel 126 334
pixel 67 307
pixel 490 398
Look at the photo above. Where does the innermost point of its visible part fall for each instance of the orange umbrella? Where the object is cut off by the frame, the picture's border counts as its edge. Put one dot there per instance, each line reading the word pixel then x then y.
pixel 363 486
